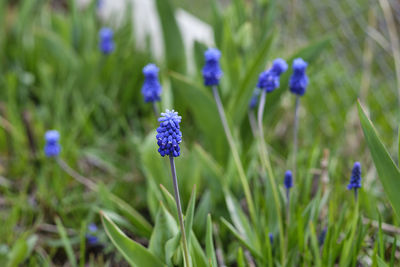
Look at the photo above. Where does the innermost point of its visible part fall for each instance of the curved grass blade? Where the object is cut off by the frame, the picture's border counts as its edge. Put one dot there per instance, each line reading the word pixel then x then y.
pixel 388 172
pixel 133 252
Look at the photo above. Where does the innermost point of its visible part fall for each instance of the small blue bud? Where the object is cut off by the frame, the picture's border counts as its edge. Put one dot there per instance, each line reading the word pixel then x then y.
pixel 91 236
pixel 106 43
pixel 254 98
pixel 299 80
pixel 212 71
pixel 151 88
pixel 269 79
pixel 168 134
pixel 355 179
pixel 271 238
pixel 288 182
pixel 52 148
pixel 322 236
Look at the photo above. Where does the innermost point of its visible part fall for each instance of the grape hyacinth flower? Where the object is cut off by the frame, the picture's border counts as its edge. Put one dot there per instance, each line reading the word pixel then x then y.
pixel 106 43
pixel 271 238
pixel 269 79
pixel 288 181
pixel 169 137
pixel 151 89
pixel 168 134
pixel 299 80
pixel 212 71
pixel 355 179
pixel 91 236
pixel 298 85
pixel 322 236
pixel 254 99
pixel 52 148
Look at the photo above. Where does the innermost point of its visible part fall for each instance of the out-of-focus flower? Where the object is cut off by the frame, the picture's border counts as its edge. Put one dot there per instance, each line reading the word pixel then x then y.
pixel 212 71
pixel 288 182
pixel 269 79
pixel 52 148
pixel 106 43
pixel 91 235
pixel 355 179
pixel 254 98
pixel 299 80
pixel 151 88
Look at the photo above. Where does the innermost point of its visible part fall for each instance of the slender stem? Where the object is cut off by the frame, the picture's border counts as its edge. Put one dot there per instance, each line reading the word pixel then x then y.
pixel 356 194
pixel 179 207
pixel 267 165
pixel 155 109
pixel 83 180
pixel 295 131
pixel 253 123
pixel 235 154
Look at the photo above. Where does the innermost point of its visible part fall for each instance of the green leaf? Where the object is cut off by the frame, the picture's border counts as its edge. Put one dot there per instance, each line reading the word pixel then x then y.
pixel 189 214
pixel 21 250
pixel 388 172
pixel 174 47
pixel 66 242
pixel 381 263
pixel 133 252
pixel 165 228
pixel 210 243
pixel 143 226
pixel 171 248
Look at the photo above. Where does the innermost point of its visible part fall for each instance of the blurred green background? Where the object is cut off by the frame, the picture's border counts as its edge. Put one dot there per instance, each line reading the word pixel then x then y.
pixel 53 76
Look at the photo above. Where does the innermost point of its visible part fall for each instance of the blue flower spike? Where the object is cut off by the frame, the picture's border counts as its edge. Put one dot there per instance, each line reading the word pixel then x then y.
pixel 355 179
pixel 91 235
pixel 269 79
pixel 254 99
pixel 52 148
pixel 212 72
pixel 106 44
pixel 288 182
pixel 299 81
pixel 169 135
pixel 151 88
pixel 271 238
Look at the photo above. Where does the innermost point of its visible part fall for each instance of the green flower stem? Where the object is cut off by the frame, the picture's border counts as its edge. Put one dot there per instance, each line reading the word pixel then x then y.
pixel 155 109
pixel 295 131
pixel 81 179
pixel 267 165
pixel 253 123
pixel 179 208
pixel 235 154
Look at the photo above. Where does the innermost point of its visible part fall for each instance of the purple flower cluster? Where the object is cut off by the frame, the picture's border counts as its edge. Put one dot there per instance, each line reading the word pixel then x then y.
pixel 106 44
pixel 269 79
pixel 299 80
pixel 52 148
pixel 355 179
pixel 288 181
pixel 212 71
pixel 151 88
pixel 168 134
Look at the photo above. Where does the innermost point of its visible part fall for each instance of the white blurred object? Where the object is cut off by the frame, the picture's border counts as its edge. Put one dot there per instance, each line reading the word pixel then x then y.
pixel 147 23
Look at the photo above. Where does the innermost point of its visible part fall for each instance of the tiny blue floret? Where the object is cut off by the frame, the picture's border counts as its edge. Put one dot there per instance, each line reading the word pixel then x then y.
pixel 106 43
pixel 271 238
pixel 299 80
pixel 269 79
pixel 151 88
pixel 168 134
pixel 355 179
pixel 91 236
pixel 212 71
pixel 52 148
pixel 288 182
pixel 254 98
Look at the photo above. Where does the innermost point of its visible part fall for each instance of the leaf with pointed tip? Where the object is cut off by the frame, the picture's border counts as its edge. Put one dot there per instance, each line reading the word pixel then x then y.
pixel 133 252
pixel 189 214
pixel 388 172
pixel 210 243
pixel 165 228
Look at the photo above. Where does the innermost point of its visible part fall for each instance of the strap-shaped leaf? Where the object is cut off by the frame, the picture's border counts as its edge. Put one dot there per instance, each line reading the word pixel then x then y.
pixel 133 252
pixel 388 172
